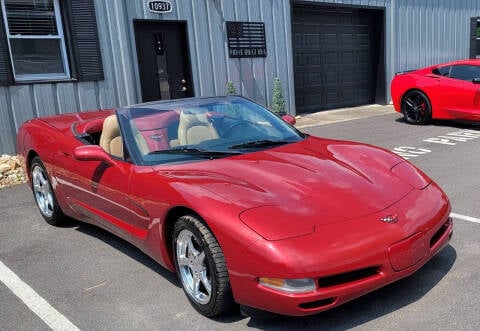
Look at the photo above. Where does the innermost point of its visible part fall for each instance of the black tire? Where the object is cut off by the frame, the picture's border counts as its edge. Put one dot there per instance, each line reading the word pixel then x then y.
pixel 416 108
pixel 43 193
pixel 213 295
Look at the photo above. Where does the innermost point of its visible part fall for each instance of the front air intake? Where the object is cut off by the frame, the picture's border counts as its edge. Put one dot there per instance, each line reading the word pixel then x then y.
pixel 348 277
pixel 439 234
pixel 317 304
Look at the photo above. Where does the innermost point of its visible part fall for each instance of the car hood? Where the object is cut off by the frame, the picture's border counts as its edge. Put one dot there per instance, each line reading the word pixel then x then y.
pixel 318 180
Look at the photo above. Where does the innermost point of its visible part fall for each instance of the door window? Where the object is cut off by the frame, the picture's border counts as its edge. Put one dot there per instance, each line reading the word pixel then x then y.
pixel 442 71
pixel 465 72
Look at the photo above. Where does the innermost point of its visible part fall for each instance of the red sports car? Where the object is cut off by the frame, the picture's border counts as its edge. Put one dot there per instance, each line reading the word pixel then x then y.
pixel 245 208
pixel 445 91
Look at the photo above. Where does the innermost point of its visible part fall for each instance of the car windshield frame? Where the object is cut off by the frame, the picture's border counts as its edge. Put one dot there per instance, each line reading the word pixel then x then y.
pixel 238 126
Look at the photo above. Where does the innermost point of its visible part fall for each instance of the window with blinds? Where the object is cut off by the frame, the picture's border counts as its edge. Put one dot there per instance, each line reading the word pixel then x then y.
pixel 35 38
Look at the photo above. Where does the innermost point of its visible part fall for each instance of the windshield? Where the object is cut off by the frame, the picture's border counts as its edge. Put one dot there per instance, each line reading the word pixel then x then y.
pixel 206 128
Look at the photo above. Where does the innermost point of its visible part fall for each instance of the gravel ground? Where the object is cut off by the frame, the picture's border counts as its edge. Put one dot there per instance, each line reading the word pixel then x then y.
pixel 11 171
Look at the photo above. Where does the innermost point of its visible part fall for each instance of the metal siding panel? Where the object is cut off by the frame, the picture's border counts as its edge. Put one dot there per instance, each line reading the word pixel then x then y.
pixel 107 91
pixel 203 63
pixel 121 62
pixel 216 27
pixel 290 88
pixel 21 98
pixel 259 62
pixel 271 61
pixel 428 33
pixel 176 8
pixel 283 61
pixel 233 65
pixel 7 132
pixel 202 43
pixel 241 14
pixel 43 99
pixel 246 65
pixel 66 98
pixel 87 96
pixel 128 61
pixel 390 51
pixel 449 43
pixel 424 51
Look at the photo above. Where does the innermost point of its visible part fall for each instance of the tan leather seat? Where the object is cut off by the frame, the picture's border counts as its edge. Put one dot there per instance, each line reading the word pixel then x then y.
pixel 195 128
pixel 140 140
pixel 110 139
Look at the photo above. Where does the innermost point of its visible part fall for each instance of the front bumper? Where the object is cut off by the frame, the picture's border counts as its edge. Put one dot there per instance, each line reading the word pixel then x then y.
pixel 351 259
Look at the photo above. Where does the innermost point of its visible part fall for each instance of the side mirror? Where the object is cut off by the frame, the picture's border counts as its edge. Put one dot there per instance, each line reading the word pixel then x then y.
pixel 92 153
pixel 476 80
pixel 289 119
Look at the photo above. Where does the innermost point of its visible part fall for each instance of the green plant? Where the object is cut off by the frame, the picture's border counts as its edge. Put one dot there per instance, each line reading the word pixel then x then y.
pixel 230 88
pixel 278 101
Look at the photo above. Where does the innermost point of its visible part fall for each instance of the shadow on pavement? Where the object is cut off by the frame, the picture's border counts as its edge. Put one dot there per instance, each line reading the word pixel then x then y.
pixel 126 248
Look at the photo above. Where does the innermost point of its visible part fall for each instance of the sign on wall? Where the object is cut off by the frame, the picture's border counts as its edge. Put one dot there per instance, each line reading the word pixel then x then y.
pixel 159 7
pixel 246 39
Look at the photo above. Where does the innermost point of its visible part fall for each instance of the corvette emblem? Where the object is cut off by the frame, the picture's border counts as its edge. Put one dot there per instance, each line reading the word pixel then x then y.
pixel 390 219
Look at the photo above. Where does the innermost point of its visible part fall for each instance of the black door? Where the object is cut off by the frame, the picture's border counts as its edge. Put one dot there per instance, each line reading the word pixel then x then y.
pixel 336 53
pixel 163 61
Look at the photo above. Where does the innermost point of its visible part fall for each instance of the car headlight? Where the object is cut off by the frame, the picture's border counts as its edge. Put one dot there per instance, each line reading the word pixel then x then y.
pixel 300 285
pixel 411 175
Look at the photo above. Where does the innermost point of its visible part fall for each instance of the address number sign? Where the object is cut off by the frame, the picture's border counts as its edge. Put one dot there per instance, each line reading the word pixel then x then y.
pixel 156 6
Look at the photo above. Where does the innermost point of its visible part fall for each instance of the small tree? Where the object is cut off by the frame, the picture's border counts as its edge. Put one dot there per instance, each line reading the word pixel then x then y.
pixel 278 101
pixel 230 88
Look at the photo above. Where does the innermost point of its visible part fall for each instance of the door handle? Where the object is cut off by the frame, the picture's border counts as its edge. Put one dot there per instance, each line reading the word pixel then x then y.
pixel 184 89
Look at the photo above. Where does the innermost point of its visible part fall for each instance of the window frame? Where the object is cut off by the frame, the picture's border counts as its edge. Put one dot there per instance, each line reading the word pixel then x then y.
pixel 436 71
pixel 23 78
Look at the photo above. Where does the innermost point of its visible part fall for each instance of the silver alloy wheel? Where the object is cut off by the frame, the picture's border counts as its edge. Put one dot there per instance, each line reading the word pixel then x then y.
pixel 193 270
pixel 42 191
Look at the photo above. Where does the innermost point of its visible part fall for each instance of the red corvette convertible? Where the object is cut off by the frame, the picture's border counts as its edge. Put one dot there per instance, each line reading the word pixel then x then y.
pixel 245 208
pixel 445 91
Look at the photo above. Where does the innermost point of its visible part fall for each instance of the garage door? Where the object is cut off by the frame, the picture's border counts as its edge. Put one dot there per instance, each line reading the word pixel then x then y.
pixel 335 54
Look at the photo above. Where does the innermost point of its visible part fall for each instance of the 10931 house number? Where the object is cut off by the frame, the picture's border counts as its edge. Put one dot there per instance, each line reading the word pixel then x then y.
pixel 160 6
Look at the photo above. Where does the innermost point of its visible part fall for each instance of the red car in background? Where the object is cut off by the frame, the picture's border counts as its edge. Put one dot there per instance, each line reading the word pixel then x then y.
pixel 444 91
pixel 241 205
